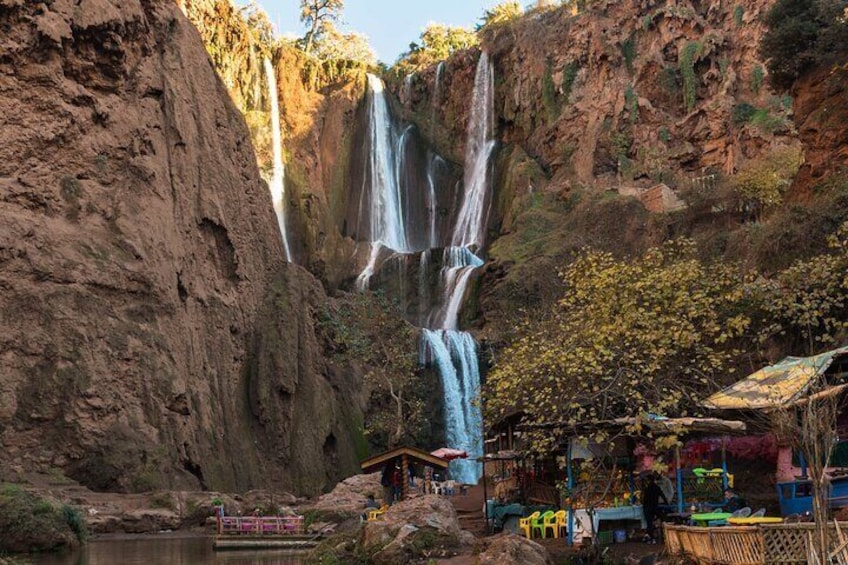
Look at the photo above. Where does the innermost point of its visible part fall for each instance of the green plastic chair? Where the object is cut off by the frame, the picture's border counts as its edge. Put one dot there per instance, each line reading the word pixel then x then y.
pixel 540 523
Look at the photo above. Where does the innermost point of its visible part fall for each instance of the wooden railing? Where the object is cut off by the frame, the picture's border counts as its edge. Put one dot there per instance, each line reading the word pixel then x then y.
pixel 540 493
pixel 779 544
pixel 261 525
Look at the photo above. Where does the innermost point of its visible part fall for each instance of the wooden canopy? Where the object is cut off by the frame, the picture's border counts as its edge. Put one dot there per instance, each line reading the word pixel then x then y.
pixel 373 464
pixel 406 455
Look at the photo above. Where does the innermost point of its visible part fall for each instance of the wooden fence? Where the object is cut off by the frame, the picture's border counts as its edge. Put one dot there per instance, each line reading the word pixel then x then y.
pixel 778 544
pixel 261 526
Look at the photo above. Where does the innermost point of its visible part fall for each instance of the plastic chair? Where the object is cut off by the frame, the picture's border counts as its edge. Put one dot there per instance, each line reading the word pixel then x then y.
pixel 374 515
pixel 525 524
pixel 759 513
pixel 549 522
pixel 560 524
pixel 540 523
pixel 449 487
pixel 743 512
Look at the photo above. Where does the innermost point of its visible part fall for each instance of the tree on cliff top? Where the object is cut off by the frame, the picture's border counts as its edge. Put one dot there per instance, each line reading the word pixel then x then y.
pixel 801 34
pixel 316 14
pixel 437 43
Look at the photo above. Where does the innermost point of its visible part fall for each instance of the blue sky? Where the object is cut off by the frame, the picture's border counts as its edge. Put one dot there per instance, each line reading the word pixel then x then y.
pixel 390 25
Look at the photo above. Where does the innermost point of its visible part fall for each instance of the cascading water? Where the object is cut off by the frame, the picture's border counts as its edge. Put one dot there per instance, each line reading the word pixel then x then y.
pixel 277 183
pixel 458 358
pixel 385 206
pixel 387 202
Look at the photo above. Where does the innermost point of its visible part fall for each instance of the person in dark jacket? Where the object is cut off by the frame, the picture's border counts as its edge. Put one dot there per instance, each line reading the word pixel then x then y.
pixel 732 501
pixel 651 496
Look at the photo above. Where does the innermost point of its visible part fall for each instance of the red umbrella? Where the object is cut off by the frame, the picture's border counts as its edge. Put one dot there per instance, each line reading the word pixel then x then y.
pixel 449 454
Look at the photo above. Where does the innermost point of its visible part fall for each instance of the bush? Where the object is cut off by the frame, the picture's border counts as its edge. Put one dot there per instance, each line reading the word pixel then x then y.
pixel 687 70
pixel 742 113
pixel 30 523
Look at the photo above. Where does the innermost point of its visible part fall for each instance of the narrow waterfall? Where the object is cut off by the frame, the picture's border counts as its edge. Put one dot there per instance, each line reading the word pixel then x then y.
pixel 392 205
pixel 437 93
pixel 470 224
pixel 277 183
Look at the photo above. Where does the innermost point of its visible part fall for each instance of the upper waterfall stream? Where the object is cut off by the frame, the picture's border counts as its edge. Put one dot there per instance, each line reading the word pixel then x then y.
pixel 277 183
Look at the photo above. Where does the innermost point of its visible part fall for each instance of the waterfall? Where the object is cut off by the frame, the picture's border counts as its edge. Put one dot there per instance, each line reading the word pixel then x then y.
pixel 455 355
pixel 391 216
pixel 277 184
pixel 437 91
pixel 385 208
pixel 470 224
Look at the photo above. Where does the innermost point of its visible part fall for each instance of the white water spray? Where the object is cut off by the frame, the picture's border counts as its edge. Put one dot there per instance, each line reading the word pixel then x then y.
pixel 277 184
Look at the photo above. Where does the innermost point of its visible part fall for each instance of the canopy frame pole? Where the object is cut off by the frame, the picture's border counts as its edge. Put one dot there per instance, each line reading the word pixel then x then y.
pixel 725 481
pixel 679 476
pixel 570 472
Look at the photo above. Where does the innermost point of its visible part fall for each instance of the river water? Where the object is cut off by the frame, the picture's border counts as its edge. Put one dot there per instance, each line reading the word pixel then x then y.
pixel 165 551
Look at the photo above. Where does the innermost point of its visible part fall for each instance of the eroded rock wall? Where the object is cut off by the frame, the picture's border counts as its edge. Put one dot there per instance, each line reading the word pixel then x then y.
pixel 140 264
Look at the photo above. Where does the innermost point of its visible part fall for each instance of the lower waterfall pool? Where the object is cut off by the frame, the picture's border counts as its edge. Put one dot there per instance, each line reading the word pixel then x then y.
pixel 162 549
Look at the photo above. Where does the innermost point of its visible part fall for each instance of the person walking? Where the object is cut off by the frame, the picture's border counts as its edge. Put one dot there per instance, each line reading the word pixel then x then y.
pixel 651 496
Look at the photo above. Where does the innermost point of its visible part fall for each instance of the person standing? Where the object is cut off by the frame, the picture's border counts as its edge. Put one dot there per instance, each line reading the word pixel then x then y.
pixel 651 496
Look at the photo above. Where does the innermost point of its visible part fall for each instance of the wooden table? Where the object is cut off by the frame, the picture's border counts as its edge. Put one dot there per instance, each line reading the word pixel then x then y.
pixel 754 520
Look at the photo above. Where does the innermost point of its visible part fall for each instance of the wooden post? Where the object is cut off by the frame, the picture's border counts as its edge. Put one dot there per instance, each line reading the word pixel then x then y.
pixel 570 497
pixel 485 498
pixel 679 474
pixel 404 479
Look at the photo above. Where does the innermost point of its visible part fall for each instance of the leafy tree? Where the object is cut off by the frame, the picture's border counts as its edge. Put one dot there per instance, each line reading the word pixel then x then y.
pixel 763 181
pixel 333 45
pixel 368 330
pixel 802 33
pixel 437 43
pixel 626 338
pixel 315 15
pixel 501 14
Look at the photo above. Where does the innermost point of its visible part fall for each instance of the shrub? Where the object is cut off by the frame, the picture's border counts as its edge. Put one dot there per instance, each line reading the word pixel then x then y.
pixel 757 76
pixel 549 93
pixel 628 52
pixel 739 15
pixel 687 71
pixel 742 113
pixel 30 523
pixel 569 74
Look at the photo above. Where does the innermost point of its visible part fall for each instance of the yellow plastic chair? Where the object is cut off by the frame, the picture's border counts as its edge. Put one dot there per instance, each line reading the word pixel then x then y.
pixel 374 515
pixel 549 521
pixel 525 524
pixel 561 528
pixel 540 523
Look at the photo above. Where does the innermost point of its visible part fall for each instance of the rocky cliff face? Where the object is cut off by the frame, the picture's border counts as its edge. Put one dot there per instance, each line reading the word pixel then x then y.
pixel 151 335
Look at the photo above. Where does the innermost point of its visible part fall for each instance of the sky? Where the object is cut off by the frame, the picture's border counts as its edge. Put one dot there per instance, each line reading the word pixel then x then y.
pixel 391 25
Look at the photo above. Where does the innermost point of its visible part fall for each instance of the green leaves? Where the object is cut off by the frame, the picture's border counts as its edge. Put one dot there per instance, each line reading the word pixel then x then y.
pixel 656 334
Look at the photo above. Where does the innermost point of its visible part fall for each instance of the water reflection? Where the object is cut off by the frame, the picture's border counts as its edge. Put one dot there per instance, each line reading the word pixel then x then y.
pixel 170 551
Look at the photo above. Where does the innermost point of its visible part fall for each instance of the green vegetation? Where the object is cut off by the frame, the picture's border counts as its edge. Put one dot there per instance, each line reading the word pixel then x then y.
pixel 757 76
pixel 802 34
pixel 370 331
pixel 665 134
pixel 739 15
pixel 655 334
pixel 437 43
pixel 502 14
pixel 569 75
pixel 631 104
pixel 763 181
pixel 31 523
pixel 742 113
pixel 628 52
pixel 549 93
pixel 767 122
pixel 687 70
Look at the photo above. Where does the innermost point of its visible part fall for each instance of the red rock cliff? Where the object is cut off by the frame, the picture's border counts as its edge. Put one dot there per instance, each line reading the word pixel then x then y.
pixel 141 268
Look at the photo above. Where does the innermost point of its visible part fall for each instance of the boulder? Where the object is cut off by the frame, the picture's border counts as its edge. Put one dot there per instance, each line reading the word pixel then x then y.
pixel 349 495
pixel 510 549
pixel 422 527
